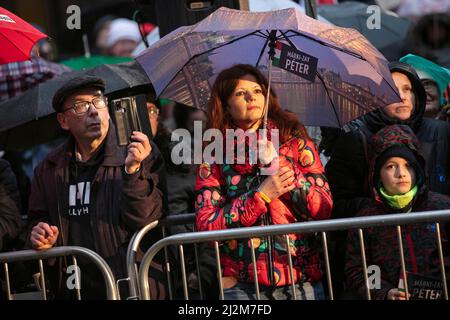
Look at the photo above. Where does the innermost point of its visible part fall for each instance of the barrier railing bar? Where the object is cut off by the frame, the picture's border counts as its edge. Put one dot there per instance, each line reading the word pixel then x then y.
pixel 291 269
pixel 219 269
pixel 327 264
pixel 55 252
pixel 197 266
pixel 8 284
pixel 42 279
pixel 441 258
pixel 364 262
pixel 183 273
pixel 77 278
pixel 132 268
pixel 197 260
pixel 255 270
pixel 299 227
pixel 304 227
pixel 167 265
pixel 402 259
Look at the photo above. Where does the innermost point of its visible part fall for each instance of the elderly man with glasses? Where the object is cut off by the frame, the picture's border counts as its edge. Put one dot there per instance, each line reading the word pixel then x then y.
pixel 89 191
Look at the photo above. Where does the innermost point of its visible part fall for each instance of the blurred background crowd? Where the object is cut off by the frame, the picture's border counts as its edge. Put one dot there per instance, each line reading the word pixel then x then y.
pixel 117 27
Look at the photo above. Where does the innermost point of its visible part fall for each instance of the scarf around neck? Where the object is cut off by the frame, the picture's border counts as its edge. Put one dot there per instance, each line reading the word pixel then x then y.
pixel 399 201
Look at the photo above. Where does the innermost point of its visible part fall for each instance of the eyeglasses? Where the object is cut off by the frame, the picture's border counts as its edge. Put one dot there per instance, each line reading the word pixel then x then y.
pixel 153 112
pixel 83 106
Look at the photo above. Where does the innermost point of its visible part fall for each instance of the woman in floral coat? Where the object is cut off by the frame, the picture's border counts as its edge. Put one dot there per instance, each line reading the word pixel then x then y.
pixel 232 194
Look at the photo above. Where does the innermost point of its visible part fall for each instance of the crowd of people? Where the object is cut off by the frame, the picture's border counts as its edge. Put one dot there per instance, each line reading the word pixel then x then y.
pixel 91 192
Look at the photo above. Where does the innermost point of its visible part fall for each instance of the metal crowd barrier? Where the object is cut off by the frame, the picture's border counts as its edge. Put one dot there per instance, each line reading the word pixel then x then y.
pixel 132 268
pixel 27 255
pixel 133 247
pixel 322 227
pixel 176 220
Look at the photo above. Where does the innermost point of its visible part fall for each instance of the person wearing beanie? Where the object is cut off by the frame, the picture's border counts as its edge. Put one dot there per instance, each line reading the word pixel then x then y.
pixel 91 192
pixel 347 170
pixel 398 181
pixel 396 175
pixel 435 79
pixel 123 37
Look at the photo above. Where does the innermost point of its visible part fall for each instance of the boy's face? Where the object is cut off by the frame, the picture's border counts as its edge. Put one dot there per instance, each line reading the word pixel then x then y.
pixel 397 176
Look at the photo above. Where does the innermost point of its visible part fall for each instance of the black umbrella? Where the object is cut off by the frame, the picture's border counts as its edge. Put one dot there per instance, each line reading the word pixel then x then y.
pixel 388 38
pixel 29 118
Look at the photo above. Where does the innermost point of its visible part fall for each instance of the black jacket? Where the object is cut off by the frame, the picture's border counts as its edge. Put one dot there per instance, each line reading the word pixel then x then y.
pixel 348 168
pixel 124 203
pixel 10 219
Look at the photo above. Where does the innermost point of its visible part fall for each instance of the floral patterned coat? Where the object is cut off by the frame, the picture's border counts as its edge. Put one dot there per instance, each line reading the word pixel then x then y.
pixel 227 197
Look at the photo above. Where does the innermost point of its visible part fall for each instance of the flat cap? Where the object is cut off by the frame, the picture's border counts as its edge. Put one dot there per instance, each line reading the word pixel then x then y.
pixel 75 85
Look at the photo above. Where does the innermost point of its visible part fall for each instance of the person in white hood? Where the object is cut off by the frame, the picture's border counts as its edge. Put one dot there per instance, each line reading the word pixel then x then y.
pixel 123 37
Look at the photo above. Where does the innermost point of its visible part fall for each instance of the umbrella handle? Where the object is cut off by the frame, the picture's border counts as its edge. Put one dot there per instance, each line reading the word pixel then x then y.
pixel 272 39
pixel 266 104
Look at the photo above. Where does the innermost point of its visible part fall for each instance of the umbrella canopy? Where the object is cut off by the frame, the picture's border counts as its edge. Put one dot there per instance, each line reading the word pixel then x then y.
pixel 17 37
pixel 32 111
pixel 254 5
pixel 348 77
pixel 388 38
pixel 79 63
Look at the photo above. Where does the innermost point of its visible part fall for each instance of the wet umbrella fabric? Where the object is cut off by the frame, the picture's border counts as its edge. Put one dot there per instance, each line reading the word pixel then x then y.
pixel 29 118
pixel 352 77
pixel 17 37
pixel 388 36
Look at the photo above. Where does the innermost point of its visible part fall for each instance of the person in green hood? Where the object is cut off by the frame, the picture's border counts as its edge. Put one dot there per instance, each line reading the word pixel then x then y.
pixel 435 80
pixel 399 186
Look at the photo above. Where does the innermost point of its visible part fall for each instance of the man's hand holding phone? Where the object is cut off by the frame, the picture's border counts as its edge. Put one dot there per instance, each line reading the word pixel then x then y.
pixel 138 150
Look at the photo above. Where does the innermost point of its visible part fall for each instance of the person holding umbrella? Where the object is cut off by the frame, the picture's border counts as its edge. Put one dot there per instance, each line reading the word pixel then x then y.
pixel 89 191
pixel 233 195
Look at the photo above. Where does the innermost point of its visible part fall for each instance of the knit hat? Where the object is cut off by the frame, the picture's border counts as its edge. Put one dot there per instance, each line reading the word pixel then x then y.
pixel 400 151
pixel 427 69
pixel 123 29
